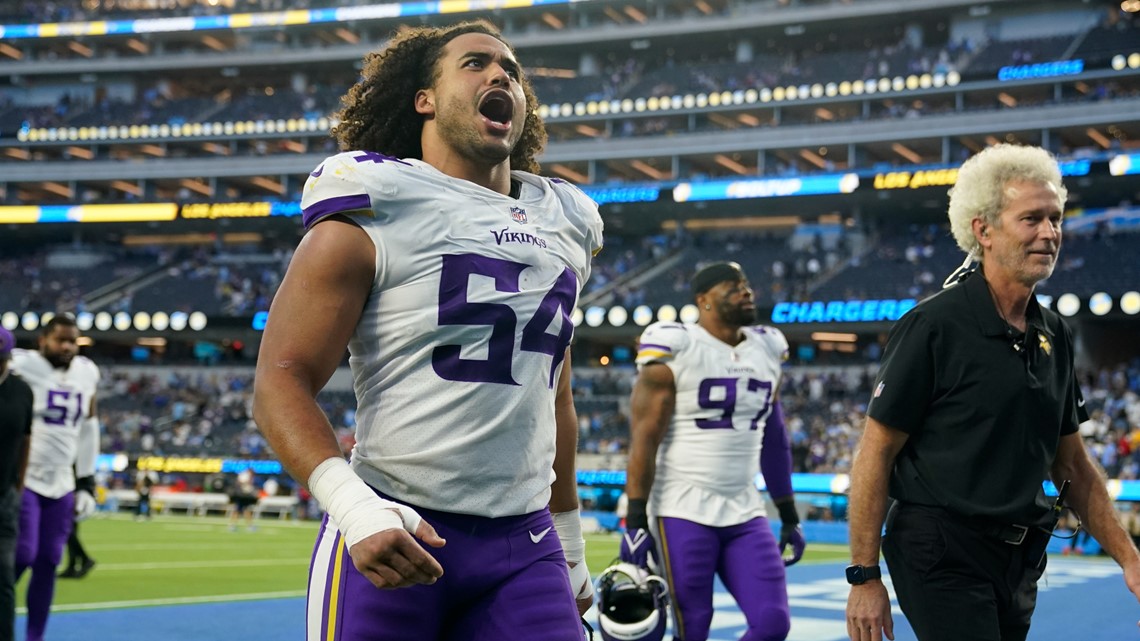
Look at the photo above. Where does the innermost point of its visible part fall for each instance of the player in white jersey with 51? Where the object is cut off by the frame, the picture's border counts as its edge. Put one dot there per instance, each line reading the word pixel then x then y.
pixel 705 419
pixel 65 435
pixel 449 270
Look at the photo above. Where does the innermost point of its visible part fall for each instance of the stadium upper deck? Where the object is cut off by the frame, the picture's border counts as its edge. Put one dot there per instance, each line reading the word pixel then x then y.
pixel 659 92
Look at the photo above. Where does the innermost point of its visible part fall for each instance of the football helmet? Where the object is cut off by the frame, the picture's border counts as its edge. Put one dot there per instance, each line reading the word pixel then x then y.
pixel 632 604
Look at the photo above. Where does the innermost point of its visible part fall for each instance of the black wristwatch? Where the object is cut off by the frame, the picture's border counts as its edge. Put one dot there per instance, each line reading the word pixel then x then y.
pixel 860 574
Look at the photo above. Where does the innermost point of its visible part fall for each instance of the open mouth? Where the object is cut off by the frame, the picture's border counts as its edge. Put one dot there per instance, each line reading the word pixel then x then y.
pixel 498 108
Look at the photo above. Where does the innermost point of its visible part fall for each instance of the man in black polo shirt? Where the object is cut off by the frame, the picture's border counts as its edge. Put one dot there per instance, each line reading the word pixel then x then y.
pixel 974 407
pixel 15 438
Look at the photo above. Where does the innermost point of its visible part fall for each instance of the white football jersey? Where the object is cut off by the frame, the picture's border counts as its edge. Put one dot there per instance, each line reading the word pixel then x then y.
pixel 710 455
pixel 62 403
pixel 457 354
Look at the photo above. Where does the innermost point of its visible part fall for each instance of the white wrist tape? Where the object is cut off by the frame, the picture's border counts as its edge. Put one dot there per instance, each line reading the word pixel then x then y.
pixel 354 506
pixel 568 525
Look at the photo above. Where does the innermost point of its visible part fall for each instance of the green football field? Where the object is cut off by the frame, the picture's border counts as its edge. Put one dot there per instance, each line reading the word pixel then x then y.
pixel 181 559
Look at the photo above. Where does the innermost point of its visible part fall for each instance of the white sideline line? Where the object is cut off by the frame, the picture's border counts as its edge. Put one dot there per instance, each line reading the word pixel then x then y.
pixel 170 565
pixel 189 600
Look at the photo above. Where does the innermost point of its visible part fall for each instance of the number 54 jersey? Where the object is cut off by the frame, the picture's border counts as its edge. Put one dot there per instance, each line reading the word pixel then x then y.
pixel 710 455
pixel 62 403
pixel 457 354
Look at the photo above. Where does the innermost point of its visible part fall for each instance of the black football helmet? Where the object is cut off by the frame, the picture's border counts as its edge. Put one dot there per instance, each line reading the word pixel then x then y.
pixel 632 604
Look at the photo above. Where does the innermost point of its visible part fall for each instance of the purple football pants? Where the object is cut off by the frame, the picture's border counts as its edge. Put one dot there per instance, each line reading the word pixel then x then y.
pixel 747 558
pixel 45 525
pixel 503 578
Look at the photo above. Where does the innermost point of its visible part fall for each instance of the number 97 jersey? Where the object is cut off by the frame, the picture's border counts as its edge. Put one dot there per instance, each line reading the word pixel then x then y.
pixel 457 354
pixel 710 455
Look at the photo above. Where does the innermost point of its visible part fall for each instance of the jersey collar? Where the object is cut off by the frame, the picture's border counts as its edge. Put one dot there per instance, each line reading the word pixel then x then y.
pixel 985 312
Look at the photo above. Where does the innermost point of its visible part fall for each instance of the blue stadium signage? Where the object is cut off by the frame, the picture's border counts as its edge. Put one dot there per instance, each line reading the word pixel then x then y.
pixel 628 194
pixel 766 187
pixel 838 311
pixel 1042 70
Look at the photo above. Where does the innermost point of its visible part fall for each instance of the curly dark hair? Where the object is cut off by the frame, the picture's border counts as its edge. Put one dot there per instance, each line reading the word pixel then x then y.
pixel 379 111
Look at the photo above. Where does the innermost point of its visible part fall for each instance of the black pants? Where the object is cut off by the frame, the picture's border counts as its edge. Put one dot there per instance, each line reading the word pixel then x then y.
pixel 76 555
pixel 955 582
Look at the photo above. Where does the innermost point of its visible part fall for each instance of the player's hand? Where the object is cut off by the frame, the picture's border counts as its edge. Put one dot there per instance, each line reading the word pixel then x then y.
pixel 584 592
pixel 869 612
pixel 792 535
pixel 393 559
pixel 85 504
pixel 639 548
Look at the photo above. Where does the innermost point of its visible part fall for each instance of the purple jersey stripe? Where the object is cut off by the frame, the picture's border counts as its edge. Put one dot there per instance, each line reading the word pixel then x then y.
pixel 335 205
pixel 664 348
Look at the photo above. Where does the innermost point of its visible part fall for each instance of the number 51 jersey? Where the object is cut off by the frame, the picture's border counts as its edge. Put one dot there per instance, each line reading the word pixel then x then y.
pixel 458 351
pixel 62 403
pixel 710 455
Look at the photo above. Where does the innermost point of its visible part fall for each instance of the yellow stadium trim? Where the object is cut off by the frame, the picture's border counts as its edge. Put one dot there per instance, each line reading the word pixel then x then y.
pixel 297 16
pixel 241 20
pixel 49 30
pixel 454 6
pixel 97 28
pixel 334 587
pixel 19 214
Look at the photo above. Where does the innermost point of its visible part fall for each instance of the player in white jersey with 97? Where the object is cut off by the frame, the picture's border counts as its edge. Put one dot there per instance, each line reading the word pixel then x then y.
pixel 449 270
pixel 705 419
pixel 65 434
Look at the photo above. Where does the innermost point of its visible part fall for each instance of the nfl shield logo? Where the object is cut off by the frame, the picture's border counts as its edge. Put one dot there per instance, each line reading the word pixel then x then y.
pixel 518 214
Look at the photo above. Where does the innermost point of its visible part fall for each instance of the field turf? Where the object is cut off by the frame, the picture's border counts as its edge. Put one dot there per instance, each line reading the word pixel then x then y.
pixel 181 559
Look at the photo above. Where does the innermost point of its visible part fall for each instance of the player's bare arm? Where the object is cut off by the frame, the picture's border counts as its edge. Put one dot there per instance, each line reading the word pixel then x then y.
pixel 868 605
pixel 564 490
pixel 311 320
pixel 651 408
pixel 1089 497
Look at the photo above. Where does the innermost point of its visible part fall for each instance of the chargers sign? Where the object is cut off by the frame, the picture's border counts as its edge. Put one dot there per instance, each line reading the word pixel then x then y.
pixel 838 311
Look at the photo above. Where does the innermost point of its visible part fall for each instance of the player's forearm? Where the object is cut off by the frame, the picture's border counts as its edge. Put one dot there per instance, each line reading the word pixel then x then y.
pixel 287 413
pixel 642 466
pixel 776 457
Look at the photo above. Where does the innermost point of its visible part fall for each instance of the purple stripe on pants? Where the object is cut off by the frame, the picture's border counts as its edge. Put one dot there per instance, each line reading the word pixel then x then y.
pixel 503 578
pixel 45 525
pixel 747 558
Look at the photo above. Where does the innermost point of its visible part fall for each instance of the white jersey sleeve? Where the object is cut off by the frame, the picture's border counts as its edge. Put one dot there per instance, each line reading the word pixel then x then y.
pixel 661 343
pixel 335 187
pixel 62 406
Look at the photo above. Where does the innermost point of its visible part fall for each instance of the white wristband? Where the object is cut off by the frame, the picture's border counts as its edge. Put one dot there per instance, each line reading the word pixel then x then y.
pixel 568 525
pixel 354 506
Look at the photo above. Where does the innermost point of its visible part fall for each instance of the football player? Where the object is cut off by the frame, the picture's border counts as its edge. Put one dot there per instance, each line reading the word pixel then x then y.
pixel 705 418
pixel 65 433
pixel 449 270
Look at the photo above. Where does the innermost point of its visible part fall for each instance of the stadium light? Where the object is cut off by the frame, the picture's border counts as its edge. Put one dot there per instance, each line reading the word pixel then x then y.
pixel 1129 303
pixel 142 321
pixel 10 320
pixel 30 321
pixel 46 317
pixel 667 313
pixel 617 316
pixel 576 316
pixel 643 315
pixel 197 321
pixel 122 321
pixel 1068 304
pixel 690 313
pixel 178 321
pixel 1100 303
pixel 595 316
pixel 103 321
pixel 84 321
